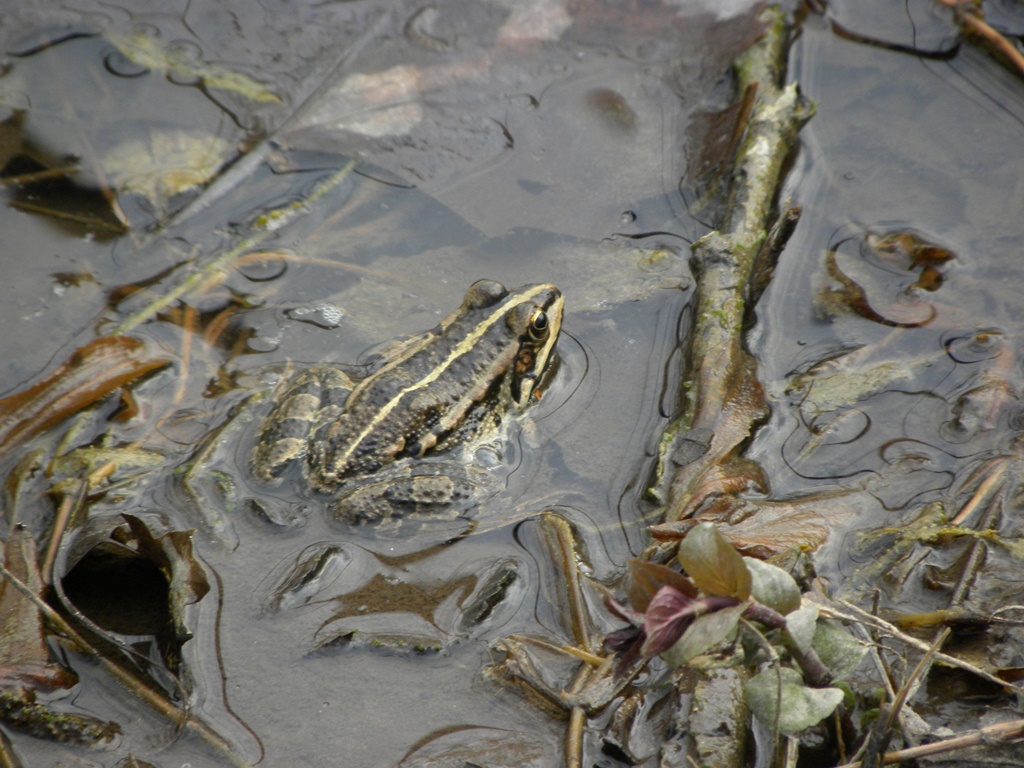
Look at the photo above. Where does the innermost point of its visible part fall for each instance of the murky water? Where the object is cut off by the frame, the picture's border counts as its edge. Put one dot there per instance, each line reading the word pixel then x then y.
pixel 488 141
pixel 910 365
pixel 895 147
pixel 562 143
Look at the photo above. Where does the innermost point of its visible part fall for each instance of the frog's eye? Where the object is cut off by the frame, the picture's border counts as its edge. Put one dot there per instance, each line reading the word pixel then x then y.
pixel 539 325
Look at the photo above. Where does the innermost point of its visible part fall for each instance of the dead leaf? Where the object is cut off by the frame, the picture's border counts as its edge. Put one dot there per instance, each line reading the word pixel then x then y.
pixel 172 553
pixel 147 51
pixel 167 164
pixel 24 656
pixel 646 578
pixel 93 372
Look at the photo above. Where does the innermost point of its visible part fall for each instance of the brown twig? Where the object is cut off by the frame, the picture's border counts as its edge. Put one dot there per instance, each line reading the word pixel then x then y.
pixel 28 178
pixel 188 328
pixel 88 221
pixel 569 650
pixel 1005 732
pixel 7 757
pixel 577 720
pixel 68 505
pixel 969 17
pixel 559 536
pixel 906 690
pixel 217 267
pixel 981 493
pixel 860 615
pixel 724 397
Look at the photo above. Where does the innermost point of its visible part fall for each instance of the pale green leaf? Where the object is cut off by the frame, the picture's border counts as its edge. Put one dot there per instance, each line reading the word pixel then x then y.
pixel 713 563
pixel 838 650
pixel 772 586
pixel 705 633
pixel 798 708
pixel 802 624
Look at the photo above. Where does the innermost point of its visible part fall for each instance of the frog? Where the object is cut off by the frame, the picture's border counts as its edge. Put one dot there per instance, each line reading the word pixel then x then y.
pixel 402 442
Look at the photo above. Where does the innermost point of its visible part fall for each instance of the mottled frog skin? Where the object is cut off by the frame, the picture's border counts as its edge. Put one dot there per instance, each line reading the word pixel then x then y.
pixel 388 446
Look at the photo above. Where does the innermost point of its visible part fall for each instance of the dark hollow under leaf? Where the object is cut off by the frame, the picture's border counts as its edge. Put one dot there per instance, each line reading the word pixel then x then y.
pixel 132 583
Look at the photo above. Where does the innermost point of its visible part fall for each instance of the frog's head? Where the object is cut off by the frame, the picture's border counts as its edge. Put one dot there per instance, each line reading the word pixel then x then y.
pixel 532 318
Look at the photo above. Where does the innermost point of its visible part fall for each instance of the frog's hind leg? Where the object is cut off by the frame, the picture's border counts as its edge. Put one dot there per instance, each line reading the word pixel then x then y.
pixel 286 431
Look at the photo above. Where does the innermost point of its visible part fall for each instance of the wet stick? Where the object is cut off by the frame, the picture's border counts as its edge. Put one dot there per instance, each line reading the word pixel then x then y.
pixel 216 269
pixel 1007 733
pixel 723 395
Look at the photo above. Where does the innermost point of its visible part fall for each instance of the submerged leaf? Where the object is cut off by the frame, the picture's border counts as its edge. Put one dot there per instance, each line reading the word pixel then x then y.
pixel 478 745
pixel 373 104
pixel 713 564
pixel 24 656
pixel 867 289
pixel 93 372
pixel 86 460
pixel 842 386
pixel 146 51
pixel 167 164
pixel 799 707
pixel 25 665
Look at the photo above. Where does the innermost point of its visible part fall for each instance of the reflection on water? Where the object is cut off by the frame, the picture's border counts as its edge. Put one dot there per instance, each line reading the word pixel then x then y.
pixel 933 370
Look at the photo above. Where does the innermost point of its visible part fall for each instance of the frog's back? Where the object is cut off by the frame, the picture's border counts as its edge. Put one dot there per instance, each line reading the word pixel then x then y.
pixel 454 383
pixel 415 402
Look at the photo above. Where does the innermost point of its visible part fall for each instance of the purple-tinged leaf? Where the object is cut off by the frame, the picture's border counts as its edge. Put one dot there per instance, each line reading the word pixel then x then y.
pixel 636 618
pixel 668 615
pixel 646 578
pixel 621 639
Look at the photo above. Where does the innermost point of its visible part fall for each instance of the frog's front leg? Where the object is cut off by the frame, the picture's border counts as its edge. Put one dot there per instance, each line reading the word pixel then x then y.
pixel 310 399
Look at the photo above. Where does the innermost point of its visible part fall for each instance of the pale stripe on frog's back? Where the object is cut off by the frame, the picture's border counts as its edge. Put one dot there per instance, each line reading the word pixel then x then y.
pixel 405 422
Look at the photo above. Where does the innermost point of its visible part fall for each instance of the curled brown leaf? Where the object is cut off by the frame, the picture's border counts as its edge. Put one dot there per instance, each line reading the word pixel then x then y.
pixel 25 662
pixel 92 372
pixel 646 578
